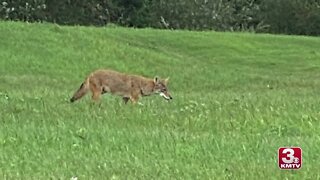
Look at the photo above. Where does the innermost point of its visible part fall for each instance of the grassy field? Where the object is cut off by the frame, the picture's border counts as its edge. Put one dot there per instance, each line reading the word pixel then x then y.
pixel 238 97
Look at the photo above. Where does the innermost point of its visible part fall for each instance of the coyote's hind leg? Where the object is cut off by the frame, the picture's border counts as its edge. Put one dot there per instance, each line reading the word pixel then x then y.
pixel 125 99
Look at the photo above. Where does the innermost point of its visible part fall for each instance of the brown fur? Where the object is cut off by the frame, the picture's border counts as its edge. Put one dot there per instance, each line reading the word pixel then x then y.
pixel 130 87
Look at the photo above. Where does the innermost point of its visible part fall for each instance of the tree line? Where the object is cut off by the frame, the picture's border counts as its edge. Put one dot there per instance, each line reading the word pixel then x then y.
pixel 301 17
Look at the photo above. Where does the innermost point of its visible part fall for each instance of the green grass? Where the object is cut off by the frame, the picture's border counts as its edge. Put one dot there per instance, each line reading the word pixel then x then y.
pixel 238 97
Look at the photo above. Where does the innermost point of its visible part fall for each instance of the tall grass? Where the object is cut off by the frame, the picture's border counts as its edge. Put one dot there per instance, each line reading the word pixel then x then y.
pixel 238 97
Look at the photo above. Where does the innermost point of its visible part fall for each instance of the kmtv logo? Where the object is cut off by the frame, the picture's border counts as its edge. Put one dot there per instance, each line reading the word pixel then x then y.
pixel 290 158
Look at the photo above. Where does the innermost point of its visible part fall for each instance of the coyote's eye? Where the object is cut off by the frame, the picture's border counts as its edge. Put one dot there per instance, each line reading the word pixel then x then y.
pixel 163 90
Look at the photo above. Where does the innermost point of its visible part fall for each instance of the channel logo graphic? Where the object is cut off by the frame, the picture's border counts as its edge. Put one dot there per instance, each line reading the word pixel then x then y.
pixel 290 158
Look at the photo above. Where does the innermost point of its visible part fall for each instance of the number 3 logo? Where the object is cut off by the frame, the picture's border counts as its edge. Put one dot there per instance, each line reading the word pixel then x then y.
pixel 289 155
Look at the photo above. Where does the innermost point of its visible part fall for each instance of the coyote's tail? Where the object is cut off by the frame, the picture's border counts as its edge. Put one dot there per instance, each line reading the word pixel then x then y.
pixel 83 89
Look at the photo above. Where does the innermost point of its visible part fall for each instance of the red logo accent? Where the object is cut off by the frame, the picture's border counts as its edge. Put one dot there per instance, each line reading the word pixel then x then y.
pixel 290 157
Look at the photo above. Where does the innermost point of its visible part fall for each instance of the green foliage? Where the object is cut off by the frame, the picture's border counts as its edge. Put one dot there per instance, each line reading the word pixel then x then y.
pixel 238 97
pixel 133 13
pixel 275 16
pixel 27 10
pixel 81 12
pixel 204 14
pixel 292 16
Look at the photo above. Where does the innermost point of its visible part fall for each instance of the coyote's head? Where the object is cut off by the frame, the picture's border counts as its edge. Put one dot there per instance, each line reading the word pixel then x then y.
pixel 161 88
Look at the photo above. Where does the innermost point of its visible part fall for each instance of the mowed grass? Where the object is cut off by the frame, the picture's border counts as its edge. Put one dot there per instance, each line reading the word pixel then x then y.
pixel 238 97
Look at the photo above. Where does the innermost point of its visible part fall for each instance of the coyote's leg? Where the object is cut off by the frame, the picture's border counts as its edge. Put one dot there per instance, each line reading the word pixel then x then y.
pixel 125 99
pixel 96 92
pixel 96 96
pixel 134 97
pixel 105 89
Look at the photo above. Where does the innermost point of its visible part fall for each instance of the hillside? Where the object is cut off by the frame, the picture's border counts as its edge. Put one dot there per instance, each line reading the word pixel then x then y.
pixel 238 97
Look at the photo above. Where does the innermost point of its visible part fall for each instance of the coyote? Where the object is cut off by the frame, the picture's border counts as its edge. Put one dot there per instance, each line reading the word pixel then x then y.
pixel 130 87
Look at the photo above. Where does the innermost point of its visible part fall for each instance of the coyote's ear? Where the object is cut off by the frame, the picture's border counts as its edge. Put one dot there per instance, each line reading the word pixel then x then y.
pixel 156 80
pixel 166 80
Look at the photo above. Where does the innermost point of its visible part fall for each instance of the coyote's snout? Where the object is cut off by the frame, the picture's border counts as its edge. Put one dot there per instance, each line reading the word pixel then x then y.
pixel 130 87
